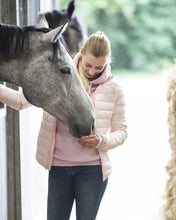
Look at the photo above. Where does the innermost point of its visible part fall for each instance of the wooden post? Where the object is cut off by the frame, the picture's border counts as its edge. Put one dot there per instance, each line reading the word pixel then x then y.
pixel 9 16
pixel 13 165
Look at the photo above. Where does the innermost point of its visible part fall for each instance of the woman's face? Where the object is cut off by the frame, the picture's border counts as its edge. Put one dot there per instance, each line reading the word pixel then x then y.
pixel 92 65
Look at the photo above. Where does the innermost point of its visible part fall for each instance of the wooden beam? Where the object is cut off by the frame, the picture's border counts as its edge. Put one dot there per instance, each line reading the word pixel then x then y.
pixel 8 11
pixel 13 165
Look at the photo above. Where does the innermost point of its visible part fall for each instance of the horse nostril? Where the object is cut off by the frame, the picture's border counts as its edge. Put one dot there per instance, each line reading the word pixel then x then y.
pixel 92 125
pixel 78 130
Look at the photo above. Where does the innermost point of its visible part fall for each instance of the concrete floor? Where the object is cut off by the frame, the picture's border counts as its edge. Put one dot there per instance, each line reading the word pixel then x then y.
pixel 137 185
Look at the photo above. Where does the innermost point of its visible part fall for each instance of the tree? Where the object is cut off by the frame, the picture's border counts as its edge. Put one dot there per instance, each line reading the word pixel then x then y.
pixel 142 32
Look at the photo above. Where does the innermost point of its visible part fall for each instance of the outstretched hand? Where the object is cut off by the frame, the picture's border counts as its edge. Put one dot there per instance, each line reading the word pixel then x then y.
pixel 89 142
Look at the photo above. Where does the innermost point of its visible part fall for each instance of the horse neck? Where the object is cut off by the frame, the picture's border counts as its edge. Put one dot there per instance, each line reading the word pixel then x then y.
pixel 10 71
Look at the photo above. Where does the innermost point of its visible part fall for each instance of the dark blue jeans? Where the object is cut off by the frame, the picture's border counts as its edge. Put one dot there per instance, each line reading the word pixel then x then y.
pixel 80 183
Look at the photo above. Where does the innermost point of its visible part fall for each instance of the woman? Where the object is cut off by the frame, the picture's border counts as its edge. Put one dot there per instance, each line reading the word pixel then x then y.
pixel 79 168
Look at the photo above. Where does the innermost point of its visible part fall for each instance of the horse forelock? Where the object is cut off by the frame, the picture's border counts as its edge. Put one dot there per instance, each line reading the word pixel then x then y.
pixel 14 40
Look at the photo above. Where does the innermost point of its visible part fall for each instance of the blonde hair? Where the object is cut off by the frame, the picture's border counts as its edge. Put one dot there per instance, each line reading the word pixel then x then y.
pixel 84 80
pixel 99 46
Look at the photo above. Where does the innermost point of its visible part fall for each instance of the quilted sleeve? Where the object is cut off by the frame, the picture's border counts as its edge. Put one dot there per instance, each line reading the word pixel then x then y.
pixel 13 98
pixel 118 128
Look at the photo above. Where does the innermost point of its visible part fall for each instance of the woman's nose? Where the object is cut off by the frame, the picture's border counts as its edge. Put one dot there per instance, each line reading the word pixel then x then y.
pixel 92 71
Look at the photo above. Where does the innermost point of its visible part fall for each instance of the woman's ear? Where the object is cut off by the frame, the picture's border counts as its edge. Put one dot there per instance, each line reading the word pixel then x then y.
pixel 81 51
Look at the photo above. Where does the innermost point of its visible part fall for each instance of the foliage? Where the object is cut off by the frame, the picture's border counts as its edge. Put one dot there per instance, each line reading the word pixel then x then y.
pixel 142 32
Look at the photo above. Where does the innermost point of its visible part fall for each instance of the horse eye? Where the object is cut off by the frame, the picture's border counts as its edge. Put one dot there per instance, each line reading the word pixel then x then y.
pixel 65 70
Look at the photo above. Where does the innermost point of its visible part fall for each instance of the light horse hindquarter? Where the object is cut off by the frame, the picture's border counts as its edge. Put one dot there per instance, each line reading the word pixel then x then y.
pixel 35 59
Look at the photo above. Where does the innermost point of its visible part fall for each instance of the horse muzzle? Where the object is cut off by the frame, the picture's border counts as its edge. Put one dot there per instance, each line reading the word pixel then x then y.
pixel 82 129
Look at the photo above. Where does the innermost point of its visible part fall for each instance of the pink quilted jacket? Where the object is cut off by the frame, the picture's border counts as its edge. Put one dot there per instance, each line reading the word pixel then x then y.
pixel 110 122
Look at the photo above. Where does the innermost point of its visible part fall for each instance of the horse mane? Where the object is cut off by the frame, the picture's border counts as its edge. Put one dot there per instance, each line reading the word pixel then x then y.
pixel 14 40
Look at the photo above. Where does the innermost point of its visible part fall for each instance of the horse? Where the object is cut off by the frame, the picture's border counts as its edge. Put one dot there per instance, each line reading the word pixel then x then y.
pixel 75 34
pixel 34 58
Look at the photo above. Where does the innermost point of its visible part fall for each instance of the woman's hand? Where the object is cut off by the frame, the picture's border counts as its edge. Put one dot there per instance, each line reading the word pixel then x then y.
pixel 89 142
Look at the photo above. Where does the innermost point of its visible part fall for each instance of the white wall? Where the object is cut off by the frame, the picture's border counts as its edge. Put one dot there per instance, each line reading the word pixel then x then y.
pixel 33 176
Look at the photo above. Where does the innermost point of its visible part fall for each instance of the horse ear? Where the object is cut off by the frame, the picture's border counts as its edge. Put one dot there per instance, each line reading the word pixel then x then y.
pixel 70 9
pixel 54 34
pixel 42 22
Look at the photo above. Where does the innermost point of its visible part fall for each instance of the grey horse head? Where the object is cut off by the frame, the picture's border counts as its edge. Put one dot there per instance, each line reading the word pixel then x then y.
pixel 75 34
pixel 47 74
